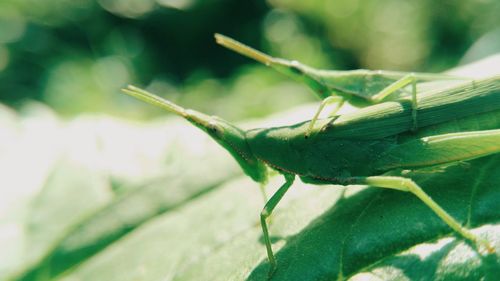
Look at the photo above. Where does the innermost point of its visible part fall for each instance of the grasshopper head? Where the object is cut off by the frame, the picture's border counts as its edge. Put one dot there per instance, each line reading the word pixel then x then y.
pixel 232 138
pixel 293 69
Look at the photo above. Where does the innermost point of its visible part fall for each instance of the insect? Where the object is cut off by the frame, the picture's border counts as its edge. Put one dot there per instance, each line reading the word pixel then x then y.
pixel 359 87
pixel 361 147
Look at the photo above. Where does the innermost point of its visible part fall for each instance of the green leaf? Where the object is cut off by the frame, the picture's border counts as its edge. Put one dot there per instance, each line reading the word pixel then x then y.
pixel 118 201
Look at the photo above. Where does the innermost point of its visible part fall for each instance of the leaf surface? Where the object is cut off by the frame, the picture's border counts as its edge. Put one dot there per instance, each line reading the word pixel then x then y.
pixel 112 200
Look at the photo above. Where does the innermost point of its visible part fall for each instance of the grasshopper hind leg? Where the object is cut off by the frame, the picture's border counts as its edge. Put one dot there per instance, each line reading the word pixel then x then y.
pixel 408 185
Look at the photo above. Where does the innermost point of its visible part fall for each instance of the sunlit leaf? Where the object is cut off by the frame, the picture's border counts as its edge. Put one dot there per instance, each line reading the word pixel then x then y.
pixel 160 201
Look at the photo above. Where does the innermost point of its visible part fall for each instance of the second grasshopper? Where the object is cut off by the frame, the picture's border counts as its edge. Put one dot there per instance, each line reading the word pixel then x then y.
pixel 359 87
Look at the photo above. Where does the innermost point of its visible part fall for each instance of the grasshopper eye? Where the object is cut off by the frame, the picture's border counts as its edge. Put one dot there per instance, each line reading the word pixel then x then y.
pixel 213 128
pixel 296 67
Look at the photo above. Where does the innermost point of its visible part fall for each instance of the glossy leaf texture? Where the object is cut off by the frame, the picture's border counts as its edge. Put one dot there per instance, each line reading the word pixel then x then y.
pixel 102 199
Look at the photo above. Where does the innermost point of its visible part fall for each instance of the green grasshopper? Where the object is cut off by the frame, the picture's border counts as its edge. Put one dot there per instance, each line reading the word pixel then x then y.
pixel 363 146
pixel 360 87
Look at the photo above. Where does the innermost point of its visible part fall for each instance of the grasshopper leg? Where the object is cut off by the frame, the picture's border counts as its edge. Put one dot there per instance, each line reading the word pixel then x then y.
pixel 267 211
pixel 331 99
pixel 401 83
pixel 262 187
pixel 408 185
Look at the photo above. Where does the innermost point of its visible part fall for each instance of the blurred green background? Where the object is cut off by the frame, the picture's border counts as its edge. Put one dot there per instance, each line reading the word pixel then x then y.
pixel 75 55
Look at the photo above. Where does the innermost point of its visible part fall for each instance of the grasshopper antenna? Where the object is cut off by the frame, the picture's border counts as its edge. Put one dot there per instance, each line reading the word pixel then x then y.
pixel 155 100
pixel 244 49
